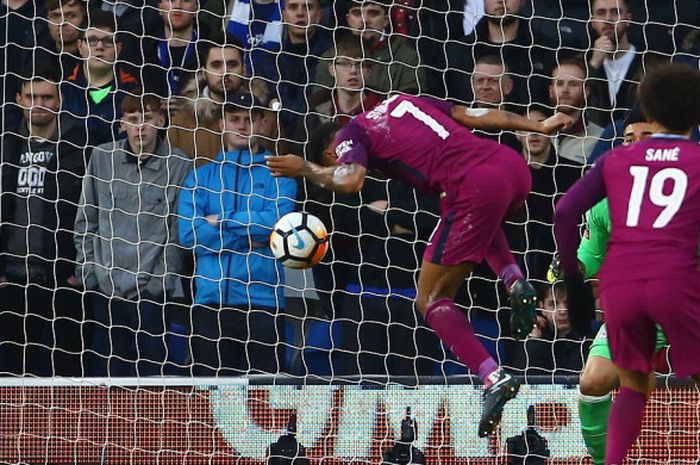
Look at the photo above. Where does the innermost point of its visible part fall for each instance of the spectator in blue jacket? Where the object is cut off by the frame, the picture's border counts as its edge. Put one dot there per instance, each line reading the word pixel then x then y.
pixel 227 210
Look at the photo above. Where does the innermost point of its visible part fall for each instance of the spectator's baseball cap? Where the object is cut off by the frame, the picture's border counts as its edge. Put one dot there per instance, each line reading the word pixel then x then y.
pixel 243 101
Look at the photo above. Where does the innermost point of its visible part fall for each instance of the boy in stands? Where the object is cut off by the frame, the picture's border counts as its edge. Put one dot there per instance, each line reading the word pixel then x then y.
pixel 653 191
pixel 424 142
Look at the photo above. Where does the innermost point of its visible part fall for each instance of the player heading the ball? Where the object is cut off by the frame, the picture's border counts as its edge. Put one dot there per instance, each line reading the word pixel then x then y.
pixel 653 191
pixel 426 143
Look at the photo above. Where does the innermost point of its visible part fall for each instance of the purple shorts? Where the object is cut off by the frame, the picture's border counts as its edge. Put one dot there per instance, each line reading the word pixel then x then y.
pixel 475 205
pixel 632 309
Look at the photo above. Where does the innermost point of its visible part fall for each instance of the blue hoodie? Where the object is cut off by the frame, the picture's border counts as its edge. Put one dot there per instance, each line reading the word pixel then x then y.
pixel 234 264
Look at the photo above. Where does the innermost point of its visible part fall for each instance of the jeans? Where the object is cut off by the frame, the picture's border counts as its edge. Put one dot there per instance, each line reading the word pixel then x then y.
pixel 128 338
pixel 40 329
pixel 230 342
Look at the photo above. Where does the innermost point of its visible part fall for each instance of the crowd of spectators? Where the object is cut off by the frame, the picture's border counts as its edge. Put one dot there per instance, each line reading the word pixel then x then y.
pixel 136 202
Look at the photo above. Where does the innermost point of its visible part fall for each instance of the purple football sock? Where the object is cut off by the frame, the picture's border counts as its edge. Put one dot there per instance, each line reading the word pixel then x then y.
pixel 501 261
pixel 453 328
pixel 624 424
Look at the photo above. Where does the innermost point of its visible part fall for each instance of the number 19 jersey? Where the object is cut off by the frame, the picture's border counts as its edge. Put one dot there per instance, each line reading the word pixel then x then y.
pixel 653 190
pixel 415 140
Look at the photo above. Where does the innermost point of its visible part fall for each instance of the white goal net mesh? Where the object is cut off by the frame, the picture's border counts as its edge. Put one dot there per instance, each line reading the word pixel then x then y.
pixel 136 209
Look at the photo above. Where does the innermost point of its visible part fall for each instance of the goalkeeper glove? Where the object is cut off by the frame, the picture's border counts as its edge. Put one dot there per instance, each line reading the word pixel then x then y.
pixel 555 273
pixel 580 303
pixel 554 270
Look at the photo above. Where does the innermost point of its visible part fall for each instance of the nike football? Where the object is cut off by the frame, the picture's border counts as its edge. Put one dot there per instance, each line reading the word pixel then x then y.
pixel 299 240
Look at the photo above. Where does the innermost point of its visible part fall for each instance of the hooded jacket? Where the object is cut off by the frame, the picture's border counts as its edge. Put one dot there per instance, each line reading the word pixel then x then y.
pixel 234 265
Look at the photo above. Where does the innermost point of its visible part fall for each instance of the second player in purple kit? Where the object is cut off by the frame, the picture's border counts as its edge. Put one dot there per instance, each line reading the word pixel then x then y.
pixel 650 275
pixel 426 143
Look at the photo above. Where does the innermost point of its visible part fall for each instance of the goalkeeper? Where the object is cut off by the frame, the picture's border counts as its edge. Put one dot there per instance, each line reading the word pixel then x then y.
pixel 599 376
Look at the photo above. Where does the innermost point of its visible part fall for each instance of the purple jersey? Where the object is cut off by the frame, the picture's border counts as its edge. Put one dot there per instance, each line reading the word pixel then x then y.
pixel 413 139
pixel 653 190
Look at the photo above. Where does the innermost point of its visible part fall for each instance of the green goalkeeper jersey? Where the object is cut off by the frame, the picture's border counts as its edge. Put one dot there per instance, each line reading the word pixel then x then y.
pixel 594 244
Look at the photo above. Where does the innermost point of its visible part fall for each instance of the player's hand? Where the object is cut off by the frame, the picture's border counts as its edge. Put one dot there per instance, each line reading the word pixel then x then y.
pixel 285 166
pixel 580 303
pixel 556 123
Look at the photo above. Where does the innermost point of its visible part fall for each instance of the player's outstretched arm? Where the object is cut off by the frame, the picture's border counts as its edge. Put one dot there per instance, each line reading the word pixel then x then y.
pixel 347 178
pixel 489 119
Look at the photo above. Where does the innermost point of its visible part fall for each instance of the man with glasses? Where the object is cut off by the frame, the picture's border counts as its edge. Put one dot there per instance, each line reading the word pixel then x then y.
pixel 394 59
pixel 349 97
pixel 95 89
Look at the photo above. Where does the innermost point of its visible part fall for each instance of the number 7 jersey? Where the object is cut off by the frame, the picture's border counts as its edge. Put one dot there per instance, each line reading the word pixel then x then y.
pixel 413 139
pixel 653 190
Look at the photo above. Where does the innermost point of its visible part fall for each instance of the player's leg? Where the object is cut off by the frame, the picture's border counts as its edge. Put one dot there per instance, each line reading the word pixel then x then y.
pixel 627 413
pixel 631 330
pixel 598 379
pixel 437 286
pixel 523 297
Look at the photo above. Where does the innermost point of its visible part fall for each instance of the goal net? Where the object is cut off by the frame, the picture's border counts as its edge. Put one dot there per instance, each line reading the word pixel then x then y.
pixel 143 317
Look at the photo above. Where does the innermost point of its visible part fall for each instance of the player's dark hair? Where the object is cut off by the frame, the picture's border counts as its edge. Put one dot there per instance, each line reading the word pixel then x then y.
pixel 634 116
pixel 320 140
pixel 670 95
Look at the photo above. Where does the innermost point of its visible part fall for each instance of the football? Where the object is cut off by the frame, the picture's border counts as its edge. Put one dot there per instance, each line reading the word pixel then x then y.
pixel 299 240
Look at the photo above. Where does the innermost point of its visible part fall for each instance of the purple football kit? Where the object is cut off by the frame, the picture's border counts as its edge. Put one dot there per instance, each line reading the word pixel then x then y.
pixel 650 274
pixel 481 182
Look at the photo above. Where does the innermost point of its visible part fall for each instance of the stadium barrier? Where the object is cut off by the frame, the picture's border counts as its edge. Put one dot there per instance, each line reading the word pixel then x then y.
pixel 233 421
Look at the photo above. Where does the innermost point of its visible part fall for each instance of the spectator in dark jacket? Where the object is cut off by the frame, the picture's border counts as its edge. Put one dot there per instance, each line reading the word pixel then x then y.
pixel 614 63
pixel 94 91
pixel 61 33
pixel 17 29
pixel 394 59
pixel 166 55
pixel 551 178
pixel 502 32
pixel 42 167
pixel 553 348
pixel 290 70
